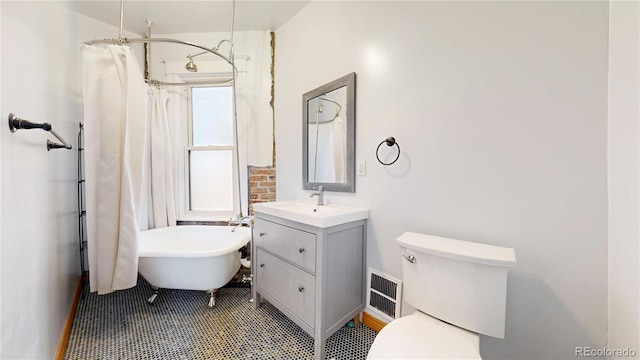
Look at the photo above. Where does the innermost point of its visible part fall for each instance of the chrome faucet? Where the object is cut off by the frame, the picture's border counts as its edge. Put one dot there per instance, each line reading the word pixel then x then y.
pixel 319 194
pixel 240 221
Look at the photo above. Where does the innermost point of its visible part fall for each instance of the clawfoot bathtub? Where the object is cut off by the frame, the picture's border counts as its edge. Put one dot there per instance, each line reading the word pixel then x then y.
pixel 191 257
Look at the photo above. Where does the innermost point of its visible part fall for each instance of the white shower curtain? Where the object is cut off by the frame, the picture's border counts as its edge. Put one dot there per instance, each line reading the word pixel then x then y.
pixel 115 140
pixel 321 140
pixel 330 162
pixel 339 137
pixel 159 199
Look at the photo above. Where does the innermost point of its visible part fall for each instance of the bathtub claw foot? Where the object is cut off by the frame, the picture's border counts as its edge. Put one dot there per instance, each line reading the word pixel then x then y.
pixel 212 297
pixel 153 297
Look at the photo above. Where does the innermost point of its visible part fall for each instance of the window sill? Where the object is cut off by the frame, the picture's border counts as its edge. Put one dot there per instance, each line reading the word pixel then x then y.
pixel 203 222
pixel 195 218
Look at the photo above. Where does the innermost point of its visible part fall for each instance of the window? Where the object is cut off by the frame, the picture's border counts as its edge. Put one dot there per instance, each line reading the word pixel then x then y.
pixel 210 152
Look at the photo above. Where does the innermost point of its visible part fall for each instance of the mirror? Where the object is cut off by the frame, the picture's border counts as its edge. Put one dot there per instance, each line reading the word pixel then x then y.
pixel 328 136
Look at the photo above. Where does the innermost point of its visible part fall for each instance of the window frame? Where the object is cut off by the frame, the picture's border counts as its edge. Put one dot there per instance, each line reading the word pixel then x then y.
pixel 186 212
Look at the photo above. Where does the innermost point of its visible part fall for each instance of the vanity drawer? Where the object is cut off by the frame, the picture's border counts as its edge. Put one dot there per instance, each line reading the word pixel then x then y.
pixel 291 286
pixel 294 245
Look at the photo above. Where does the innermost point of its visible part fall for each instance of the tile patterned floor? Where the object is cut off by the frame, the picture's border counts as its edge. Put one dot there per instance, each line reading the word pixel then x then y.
pixel 180 325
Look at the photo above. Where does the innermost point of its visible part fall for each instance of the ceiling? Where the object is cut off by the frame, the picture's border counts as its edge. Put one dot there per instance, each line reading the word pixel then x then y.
pixel 187 16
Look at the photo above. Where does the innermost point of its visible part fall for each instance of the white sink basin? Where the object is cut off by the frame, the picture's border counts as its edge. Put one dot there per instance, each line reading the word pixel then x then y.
pixel 309 213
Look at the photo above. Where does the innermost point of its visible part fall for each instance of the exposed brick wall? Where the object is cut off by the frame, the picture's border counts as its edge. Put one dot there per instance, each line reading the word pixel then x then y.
pixel 262 185
pixel 262 179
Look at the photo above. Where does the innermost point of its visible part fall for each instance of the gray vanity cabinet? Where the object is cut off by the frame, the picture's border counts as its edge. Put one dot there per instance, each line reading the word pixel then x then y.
pixel 315 276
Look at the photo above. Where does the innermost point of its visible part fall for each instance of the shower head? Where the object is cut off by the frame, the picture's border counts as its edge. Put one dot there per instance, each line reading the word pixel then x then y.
pixel 214 49
pixel 191 66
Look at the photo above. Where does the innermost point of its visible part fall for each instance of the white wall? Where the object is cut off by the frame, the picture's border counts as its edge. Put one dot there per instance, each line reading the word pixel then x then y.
pixel 38 194
pixel 40 260
pixel 500 109
pixel 0 195
pixel 624 175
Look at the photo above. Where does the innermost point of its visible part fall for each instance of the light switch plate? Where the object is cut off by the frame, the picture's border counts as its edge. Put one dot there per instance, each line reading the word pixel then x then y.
pixel 362 168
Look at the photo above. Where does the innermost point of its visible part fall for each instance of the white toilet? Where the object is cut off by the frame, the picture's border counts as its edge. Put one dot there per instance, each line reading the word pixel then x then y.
pixel 459 290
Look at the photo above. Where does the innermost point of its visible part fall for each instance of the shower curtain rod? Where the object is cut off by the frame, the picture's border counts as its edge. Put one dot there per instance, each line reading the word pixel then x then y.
pixel 337 112
pixel 128 41
pixel 121 40
pixel 335 102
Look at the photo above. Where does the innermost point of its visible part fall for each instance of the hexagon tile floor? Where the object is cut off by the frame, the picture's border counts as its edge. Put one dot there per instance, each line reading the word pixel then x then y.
pixel 180 325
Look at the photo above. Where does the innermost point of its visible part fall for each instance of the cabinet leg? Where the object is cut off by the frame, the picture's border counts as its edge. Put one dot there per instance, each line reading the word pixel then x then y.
pixel 256 300
pixel 356 319
pixel 318 351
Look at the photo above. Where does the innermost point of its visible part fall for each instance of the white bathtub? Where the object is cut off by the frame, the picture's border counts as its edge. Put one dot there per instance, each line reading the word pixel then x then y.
pixel 191 257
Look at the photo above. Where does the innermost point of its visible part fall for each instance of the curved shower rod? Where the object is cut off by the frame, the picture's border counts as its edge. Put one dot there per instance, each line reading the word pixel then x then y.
pixel 121 40
pixel 335 102
pixel 128 41
pixel 319 111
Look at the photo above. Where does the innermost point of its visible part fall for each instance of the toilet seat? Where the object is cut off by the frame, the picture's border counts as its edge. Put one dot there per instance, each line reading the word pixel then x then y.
pixel 420 336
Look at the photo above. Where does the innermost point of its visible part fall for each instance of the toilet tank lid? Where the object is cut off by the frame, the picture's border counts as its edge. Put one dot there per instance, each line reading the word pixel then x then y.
pixel 458 249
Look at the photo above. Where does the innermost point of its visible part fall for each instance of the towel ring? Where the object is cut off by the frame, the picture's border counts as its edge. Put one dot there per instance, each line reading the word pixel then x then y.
pixel 390 141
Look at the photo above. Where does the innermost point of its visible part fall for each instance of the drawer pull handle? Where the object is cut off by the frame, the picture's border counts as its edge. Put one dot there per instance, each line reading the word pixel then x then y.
pixel 262 234
pixel 301 250
pixel 300 289
pixel 409 258
pixel 261 265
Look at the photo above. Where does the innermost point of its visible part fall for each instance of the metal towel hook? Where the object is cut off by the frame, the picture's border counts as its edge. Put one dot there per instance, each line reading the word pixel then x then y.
pixel 15 124
pixel 390 141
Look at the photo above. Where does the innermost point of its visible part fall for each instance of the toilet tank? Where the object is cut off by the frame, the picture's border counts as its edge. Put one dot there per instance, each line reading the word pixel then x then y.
pixel 459 282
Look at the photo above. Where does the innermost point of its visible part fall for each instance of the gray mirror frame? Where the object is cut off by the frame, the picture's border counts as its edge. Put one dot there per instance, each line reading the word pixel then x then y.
pixel 350 186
